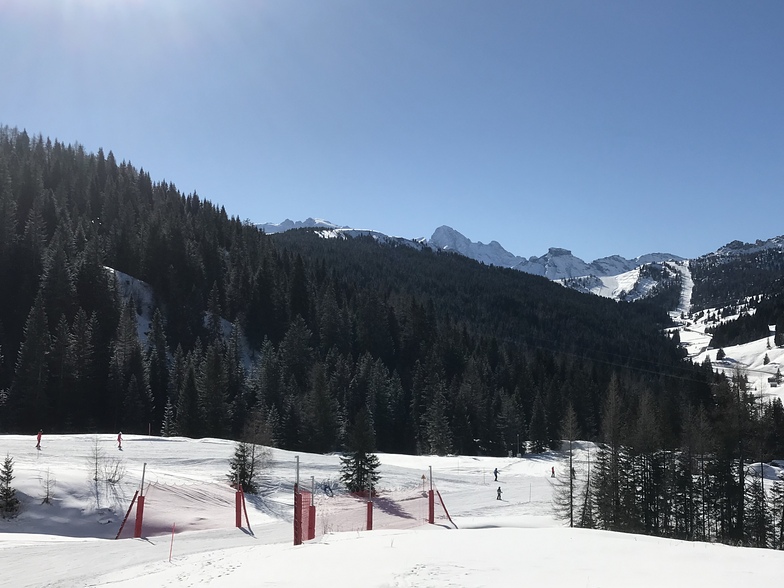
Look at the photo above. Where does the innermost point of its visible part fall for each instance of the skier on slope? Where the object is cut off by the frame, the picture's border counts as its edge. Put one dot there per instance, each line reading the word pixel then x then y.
pixel 498 497
pixel 119 440
pixel 495 473
pixel 38 439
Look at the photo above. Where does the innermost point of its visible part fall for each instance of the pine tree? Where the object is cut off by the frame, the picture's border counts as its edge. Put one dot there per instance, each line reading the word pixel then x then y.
pixel 28 401
pixel 321 414
pixel 168 426
pixel 566 493
pixel 537 429
pixel 189 416
pixel 156 357
pixel 237 388
pixel 758 523
pixel 439 435
pixel 81 351
pixel 777 513
pixel 244 467
pixel 610 463
pixel 213 385
pixel 359 467
pixel 9 504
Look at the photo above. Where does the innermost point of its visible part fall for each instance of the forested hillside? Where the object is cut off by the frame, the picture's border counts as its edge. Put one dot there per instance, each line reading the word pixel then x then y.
pixel 431 352
pixel 745 283
pixel 446 354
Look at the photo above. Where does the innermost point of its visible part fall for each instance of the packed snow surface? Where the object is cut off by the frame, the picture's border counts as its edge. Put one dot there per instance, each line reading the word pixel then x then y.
pixel 510 542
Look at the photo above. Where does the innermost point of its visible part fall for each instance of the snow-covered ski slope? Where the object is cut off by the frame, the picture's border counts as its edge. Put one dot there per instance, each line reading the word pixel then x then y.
pixel 512 542
pixel 747 359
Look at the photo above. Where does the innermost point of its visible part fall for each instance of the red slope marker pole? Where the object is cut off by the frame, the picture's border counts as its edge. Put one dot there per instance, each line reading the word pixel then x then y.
pixel 127 514
pixel 245 509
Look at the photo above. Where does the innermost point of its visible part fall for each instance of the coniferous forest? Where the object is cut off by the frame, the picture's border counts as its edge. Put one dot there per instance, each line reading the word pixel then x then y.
pixel 427 352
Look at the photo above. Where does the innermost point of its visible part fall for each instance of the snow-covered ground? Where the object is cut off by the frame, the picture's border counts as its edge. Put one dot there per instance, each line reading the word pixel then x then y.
pixel 748 358
pixel 511 542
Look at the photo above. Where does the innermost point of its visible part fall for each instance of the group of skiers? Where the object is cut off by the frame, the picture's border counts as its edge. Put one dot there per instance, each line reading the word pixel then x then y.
pixel 41 432
pixel 499 491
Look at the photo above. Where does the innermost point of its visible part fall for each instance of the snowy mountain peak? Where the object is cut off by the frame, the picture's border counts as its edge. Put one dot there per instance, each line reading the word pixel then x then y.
pixel 558 252
pixel 448 239
pixel 740 248
pixel 557 264
pixel 287 225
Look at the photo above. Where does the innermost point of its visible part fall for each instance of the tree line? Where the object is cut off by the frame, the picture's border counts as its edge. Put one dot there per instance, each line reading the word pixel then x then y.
pixel 713 485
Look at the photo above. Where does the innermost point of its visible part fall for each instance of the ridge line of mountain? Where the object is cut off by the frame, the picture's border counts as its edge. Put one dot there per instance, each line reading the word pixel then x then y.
pixel 557 264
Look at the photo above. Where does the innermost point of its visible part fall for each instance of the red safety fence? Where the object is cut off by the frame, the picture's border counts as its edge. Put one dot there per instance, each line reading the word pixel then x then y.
pixel 304 516
pixel 191 507
pixel 399 509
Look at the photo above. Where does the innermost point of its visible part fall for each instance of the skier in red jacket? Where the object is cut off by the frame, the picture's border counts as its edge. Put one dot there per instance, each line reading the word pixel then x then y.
pixel 38 439
pixel 119 440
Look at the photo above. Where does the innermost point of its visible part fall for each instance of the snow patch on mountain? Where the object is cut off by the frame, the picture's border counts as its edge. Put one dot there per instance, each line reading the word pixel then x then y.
pixel 288 225
pixel 346 233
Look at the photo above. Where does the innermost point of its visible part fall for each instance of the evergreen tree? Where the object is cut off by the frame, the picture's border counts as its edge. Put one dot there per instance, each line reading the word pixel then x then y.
pixel 439 435
pixel 244 467
pixel 81 350
pixel 359 466
pixel 537 429
pixel 777 513
pixel 156 356
pixel 61 381
pixel 611 462
pixel 237 385
pixel 28 403
pixel 168 426
pixel 129 386
pixel 758 519
pixel 321 414
pixel 566 493
pixel 9 503
pixel 213 386
pixel 189 417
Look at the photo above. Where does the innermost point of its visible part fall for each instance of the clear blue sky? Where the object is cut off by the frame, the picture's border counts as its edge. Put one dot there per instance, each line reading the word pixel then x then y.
pixel 602 127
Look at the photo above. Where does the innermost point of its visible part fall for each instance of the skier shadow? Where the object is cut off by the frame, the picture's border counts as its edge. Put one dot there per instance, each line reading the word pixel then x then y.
pixel 391 507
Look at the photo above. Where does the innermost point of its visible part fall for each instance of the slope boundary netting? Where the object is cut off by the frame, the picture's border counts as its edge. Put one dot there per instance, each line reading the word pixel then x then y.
pixel 406 508
pixel 190 506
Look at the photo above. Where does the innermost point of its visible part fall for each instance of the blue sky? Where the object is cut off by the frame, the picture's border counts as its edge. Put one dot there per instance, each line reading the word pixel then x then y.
pixel 602 127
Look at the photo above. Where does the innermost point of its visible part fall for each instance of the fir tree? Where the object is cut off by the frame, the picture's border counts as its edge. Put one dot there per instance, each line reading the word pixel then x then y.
pixel 168 427
pixel 439 435
pixel 359 467
pixel 537 429
pixel 777 513
pixel 27 398
pixel 9 504
pixel 565 494
pixel 244 468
